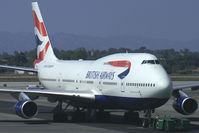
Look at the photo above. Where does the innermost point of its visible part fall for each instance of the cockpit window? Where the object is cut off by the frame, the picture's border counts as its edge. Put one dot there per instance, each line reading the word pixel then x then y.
pixel 150 62
pixel 157 62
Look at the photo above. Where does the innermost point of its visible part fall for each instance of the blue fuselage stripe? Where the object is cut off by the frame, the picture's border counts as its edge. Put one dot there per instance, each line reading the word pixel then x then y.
pixel 114 102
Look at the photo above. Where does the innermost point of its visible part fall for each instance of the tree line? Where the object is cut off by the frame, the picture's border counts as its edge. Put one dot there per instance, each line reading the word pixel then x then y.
pixel 175 62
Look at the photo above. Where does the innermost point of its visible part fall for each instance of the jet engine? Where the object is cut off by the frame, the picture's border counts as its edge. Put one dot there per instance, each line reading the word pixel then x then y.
pixel 185 105
pixel 26 109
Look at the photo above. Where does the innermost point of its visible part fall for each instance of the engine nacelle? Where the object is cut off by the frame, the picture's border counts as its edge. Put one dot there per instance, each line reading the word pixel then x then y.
pixel 26 109
pixel 185 105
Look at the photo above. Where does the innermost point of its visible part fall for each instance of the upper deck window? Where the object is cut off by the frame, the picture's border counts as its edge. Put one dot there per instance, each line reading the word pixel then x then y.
pixel 150 62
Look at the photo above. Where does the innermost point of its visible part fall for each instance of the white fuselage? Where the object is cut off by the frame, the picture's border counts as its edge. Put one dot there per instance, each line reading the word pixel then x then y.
pixel 146 79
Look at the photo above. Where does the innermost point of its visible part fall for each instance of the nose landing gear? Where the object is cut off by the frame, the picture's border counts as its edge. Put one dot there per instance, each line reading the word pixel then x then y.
pixel 147 117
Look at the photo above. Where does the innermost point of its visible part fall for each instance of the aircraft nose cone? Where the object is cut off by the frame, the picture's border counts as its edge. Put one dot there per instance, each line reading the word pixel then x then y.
pixel 165 86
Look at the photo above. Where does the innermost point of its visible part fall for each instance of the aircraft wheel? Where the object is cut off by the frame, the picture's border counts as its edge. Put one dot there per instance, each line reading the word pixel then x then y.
pixel 70 116
pixel 59 116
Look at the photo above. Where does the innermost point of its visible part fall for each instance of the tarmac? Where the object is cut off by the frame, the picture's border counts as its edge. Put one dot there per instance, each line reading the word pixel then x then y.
pixel 11 123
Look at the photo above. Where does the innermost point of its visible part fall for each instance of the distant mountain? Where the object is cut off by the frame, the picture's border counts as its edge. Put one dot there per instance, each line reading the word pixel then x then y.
pixel 69 41
pixel 10 42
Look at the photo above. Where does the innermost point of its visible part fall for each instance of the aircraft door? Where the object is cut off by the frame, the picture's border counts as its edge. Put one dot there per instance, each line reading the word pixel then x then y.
pixel 122 86
pixel 59 81
pixel 99 86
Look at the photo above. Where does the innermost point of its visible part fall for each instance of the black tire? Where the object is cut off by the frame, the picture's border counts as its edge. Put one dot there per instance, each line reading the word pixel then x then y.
pixel 70 117
pixel 59 117
pixel 80 116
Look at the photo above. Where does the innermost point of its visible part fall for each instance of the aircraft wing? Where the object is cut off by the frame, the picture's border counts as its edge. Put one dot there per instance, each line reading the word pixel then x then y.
pixel 177 90
pixel 192 86
pixel 19 68
pixel 56 93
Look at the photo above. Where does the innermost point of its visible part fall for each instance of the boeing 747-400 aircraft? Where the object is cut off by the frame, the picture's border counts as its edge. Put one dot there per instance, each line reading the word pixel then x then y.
pixel 128 81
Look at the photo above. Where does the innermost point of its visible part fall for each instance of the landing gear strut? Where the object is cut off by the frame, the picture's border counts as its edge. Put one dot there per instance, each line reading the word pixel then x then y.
pixel 68 114
pixel 58 113
pixel 147 118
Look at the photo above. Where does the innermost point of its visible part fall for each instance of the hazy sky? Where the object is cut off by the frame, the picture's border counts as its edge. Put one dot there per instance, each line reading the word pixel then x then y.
pixel 168 19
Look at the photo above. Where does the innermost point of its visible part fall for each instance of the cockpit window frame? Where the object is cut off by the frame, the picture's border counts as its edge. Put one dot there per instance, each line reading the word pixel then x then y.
pixel 152 62
pixel 157 62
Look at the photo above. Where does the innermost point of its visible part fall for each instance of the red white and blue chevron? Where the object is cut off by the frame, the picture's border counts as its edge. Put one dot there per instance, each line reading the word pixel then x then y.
pixel 122 63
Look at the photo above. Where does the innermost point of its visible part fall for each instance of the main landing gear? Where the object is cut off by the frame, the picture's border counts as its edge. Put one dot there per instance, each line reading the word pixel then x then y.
pixel 66 115
pixel 73 114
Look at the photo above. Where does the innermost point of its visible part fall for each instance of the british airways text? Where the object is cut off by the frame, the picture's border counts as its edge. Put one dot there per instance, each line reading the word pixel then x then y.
pixel 100 75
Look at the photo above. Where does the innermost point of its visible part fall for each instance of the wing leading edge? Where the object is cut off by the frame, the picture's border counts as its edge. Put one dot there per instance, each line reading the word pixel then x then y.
pixel 178 89
pixel 183 86
pixel 19 68
pixel 44 92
